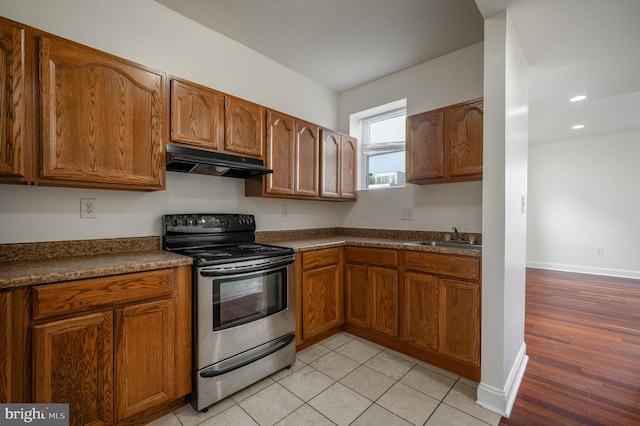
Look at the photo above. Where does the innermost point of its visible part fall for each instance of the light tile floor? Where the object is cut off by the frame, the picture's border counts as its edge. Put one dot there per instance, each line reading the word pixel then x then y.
pixel 345 380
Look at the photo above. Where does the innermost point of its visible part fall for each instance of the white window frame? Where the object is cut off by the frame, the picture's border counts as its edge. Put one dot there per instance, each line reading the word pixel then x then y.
pixel 365 150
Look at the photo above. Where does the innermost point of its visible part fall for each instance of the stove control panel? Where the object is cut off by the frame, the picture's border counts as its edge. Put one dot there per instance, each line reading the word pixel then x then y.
pixel 208 223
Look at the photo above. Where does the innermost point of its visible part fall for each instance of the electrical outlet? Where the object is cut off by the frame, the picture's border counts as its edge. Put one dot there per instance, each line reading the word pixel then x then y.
pixel 600 250
pixel 407 214
pixel 88 208
pixel 285 210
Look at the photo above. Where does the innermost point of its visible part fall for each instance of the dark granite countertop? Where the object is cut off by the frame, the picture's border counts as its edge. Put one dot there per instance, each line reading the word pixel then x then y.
pixel 49 262
pixel 25 264
pixel 305 240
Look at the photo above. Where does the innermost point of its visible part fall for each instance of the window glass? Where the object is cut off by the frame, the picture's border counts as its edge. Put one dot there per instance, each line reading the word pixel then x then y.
pixel 383 149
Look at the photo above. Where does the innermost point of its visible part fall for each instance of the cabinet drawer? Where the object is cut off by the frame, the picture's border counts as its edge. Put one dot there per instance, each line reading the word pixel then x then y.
pixel 372 256
pixel 319 258
pixel 443 264
pixel 95 293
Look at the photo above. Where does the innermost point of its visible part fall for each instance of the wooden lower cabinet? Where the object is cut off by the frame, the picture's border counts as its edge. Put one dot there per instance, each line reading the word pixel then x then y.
pixel 460 320
pixel 372 290
pixel 322 292
pixel 424 304
pixel 121 362
pixel 420 310
pixel 358 296
pixel 144 370
pixel 441 304
pixel 73 363
pixel 384 285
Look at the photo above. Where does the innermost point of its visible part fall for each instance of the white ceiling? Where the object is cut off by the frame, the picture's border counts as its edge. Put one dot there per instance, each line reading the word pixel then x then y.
pixel 571 46
pixel 341 43
pixel 589 47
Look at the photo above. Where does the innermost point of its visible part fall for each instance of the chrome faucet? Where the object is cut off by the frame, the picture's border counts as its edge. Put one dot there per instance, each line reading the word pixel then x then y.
pixel 455 231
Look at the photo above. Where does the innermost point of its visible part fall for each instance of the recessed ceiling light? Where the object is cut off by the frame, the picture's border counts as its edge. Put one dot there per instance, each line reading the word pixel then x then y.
pixel 578 98
pixel 577 126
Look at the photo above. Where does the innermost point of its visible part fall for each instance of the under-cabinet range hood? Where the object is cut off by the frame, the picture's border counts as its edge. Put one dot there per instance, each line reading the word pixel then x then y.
pixel 189 160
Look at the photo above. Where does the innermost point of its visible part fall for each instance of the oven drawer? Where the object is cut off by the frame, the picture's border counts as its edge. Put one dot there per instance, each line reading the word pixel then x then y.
pixel 96 293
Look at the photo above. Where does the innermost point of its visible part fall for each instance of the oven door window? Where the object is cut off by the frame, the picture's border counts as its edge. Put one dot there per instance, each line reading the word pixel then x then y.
pixel 239 300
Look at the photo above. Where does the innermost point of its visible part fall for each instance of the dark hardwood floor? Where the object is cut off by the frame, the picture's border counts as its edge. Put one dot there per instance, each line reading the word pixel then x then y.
pixel 583 340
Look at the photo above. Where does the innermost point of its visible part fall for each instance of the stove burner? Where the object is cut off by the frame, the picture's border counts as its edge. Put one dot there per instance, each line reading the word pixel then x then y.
pixel 212 239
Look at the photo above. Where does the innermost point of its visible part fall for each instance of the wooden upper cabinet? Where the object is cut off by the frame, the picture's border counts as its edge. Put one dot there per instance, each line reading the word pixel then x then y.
pixel 337 165
pixel 307 161
pixel 205 118
pixel 244 124
pixel 104 119
pixel 330 164
pixel 307 148
pixel 425 146
pixel 197 115
pixel 463 129
pixel 280 153
pixel 348 167
pixel 445 145
pixel 15 136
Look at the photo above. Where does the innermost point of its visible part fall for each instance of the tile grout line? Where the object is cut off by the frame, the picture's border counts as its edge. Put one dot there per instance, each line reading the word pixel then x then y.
pixel 413 361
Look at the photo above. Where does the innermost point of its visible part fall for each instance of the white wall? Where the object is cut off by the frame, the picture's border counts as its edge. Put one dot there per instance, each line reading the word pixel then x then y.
pixel 503 218
pixel 447 80
pixel 584 195
pixel 148 33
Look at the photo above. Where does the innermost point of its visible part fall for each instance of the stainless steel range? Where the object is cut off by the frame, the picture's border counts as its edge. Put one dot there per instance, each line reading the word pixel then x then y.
pixel 244 302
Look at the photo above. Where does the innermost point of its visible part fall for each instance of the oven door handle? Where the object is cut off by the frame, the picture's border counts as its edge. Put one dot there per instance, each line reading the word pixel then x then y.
pixel 242 270
pixel 248 357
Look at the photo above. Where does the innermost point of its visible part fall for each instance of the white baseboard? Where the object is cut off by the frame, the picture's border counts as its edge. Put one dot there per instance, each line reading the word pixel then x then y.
pixel 501 400
pixel 622 273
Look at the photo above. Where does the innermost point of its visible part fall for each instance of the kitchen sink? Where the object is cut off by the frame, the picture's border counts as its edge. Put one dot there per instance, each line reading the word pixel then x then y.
pixel 449 244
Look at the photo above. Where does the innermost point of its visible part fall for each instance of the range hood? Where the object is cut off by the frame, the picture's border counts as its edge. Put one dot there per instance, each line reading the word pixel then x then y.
pixel 189 160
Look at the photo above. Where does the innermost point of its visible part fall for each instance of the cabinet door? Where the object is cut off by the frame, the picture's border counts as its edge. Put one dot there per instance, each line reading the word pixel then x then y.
pixel 280 153
pixel 425 146
pixel 104 120
pixel 64 348
pixel 358 296
pixel 463 132
pixel 244 122
pixel 306 169
pixel 5 346
pixel 197 115
pixel 323 300
pixel 348 167
pixel 384 287
pixel 329 164
pixel 6 343
pixel 460 320
pixel 14 142
pixel 420 310
pixel 145 369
